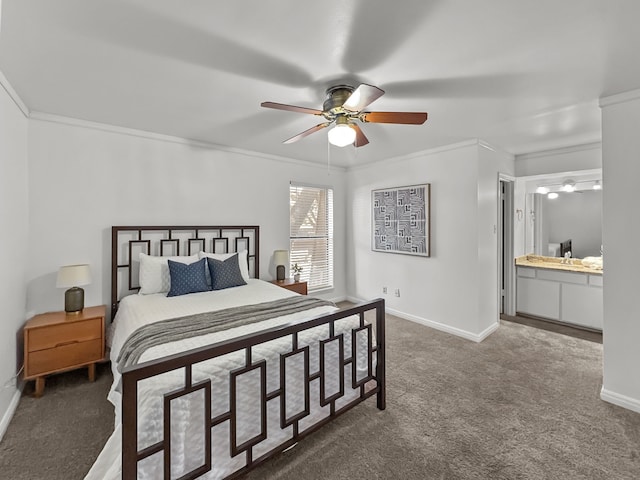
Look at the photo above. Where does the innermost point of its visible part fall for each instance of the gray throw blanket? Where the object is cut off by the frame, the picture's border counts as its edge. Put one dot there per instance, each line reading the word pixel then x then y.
pixel 174 329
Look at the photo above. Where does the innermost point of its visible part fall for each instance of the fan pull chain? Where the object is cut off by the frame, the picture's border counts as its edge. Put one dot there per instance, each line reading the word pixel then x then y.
pixel 328 156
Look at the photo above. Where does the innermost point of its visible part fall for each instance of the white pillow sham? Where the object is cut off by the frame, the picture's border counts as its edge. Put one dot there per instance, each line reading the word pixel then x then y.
pixel 242 260
pixel 154 272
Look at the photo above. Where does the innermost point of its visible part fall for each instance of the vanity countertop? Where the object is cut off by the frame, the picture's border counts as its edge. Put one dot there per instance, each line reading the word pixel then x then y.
pixel 555 263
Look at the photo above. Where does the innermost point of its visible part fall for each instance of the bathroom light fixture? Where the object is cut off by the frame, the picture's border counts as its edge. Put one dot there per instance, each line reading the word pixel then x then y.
pixel 597 185
pixel 569 186
pixel 542 190
pixel 342 134
pixel 552 196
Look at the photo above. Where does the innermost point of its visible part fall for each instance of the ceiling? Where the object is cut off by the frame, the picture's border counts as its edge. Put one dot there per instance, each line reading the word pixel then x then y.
pixel 522 75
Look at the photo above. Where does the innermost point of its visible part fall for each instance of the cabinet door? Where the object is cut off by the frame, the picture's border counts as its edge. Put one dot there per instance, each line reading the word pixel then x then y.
pixel 582 305
pixel 538 297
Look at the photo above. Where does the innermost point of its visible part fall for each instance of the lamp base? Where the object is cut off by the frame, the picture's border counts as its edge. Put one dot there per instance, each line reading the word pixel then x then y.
pixel 74 300
pixel 280 273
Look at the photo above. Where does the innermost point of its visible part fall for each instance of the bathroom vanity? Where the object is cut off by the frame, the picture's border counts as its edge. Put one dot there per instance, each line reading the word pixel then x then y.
pixel 554 289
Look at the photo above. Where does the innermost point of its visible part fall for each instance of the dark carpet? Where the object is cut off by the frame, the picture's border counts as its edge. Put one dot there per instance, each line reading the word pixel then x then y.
pixel 59 435
pixel 523 404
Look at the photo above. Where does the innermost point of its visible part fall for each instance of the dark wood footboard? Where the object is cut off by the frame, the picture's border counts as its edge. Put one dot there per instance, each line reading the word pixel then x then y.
pixel 367 338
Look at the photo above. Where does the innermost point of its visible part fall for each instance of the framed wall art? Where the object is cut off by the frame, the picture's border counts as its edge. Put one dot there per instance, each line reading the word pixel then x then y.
pixel 401 220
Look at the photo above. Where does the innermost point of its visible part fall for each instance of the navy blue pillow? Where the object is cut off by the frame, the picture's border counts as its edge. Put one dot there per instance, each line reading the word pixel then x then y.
pixel 225 274
pixel 187 278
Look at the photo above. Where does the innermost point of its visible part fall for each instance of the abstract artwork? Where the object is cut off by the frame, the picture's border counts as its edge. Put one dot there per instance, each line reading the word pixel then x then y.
pixel 401 220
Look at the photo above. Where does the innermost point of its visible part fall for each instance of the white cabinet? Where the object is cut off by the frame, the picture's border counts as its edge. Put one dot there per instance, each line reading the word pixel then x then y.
pixel 568 297
pixel 582 305
pixel 539 298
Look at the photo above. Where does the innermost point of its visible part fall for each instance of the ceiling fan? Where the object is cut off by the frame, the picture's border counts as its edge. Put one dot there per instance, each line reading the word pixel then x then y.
pixel 343 107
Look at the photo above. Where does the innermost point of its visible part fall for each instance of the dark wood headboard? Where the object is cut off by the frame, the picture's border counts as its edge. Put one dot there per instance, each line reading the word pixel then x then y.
pixel 127 243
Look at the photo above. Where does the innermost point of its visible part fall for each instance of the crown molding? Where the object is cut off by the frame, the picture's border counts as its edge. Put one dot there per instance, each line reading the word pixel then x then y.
pixel 620 98
pixel 75 122
pixel 14 95
pixel 560 151
pixel 493 148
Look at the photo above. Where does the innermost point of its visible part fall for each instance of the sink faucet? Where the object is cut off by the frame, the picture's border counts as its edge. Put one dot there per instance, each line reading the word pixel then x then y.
pixel 567 259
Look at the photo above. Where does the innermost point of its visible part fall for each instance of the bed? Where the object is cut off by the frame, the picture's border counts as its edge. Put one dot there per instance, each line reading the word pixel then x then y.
pixel 212 383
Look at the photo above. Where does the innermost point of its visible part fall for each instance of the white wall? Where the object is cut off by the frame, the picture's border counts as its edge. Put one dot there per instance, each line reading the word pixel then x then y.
pixel 580 157
pixel 621 237
pixel 445 290
pixel 84 180
pixel 14 254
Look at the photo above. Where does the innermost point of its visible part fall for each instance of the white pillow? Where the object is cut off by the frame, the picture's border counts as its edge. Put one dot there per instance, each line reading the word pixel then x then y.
pixel 242 260
pixel 154 272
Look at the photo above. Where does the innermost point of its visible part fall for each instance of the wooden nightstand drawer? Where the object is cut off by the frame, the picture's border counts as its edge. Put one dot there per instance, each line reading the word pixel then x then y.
pixel 299 287
pixel 63 333
pixel 57 341
pixel 64 356
pixel 289 284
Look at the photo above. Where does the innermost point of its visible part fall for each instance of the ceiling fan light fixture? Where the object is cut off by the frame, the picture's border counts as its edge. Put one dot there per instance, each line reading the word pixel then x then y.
pixel 341 135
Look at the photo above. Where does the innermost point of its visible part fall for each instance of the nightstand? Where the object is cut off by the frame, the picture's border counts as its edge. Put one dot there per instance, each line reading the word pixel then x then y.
pixel 289 284
pixel 56 341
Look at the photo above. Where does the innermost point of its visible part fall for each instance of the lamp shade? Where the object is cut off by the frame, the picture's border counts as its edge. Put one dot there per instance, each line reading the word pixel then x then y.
pixel 73 276
pixel 281 257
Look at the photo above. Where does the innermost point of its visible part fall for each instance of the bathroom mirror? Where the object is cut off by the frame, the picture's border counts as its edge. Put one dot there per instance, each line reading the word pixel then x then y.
pixel 574 217
pixel 567 218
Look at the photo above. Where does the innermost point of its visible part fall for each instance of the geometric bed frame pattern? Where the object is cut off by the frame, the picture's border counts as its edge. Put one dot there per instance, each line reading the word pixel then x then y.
pixel 366 337
pixel 372 383
pixel 401 220
pixel 127 242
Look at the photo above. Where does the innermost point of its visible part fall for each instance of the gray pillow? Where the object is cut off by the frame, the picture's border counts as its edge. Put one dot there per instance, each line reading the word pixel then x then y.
pixel 225 273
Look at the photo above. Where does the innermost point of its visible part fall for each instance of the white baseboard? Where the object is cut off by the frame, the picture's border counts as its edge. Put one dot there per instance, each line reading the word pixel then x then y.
pixel 437 325
pixel 620 400
pixel 338 299
pixel 8 415
pixel 475 337
pixel 353 299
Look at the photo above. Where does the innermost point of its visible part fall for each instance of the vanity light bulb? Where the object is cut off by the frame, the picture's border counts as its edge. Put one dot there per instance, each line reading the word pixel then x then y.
pixel 569 186
pixel 552 196
pixel 542 190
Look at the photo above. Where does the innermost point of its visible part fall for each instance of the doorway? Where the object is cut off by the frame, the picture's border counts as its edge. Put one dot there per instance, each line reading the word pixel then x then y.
pixel 506 269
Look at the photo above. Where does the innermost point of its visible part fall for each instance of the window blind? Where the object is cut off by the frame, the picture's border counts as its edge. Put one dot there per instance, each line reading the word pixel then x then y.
pixel 311 235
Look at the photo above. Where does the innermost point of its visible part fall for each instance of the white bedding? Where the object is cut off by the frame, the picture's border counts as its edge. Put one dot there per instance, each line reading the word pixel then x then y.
pixel 137 310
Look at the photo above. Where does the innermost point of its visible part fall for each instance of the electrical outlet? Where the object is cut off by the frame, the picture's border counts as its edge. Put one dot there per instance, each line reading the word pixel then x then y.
pixel 397 292
pixel 384 290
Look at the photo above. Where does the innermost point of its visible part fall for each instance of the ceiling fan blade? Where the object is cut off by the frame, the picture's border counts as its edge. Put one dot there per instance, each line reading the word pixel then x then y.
pixel 361 139
pixel 406 118
pixel 362 96
pixel 291 108
pixel 308 132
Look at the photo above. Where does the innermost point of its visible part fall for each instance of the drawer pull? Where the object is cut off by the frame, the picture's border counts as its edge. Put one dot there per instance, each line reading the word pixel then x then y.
pixel 62 344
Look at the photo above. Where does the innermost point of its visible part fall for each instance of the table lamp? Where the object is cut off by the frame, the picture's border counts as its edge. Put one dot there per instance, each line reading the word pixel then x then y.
pixel 280 258
pixel 73 276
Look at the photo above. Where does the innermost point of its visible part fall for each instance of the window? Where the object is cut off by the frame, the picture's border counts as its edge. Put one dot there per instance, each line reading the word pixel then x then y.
pixel 311 236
